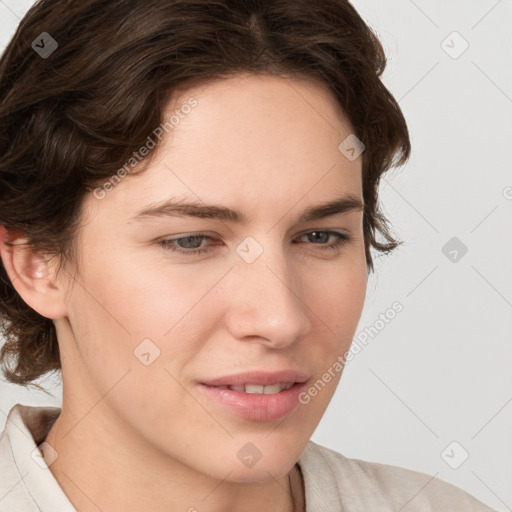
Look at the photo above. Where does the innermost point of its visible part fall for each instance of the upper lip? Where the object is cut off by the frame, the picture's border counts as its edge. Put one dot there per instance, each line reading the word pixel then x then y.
pixel 258 377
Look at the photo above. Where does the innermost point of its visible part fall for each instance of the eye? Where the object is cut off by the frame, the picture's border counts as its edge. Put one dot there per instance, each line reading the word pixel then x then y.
pixel 192 244
pixel 322 236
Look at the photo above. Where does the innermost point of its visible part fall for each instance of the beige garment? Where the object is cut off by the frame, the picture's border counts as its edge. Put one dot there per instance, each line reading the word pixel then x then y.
pixel 332 482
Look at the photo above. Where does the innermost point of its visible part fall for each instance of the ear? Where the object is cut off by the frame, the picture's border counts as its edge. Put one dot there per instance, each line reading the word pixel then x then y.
pixel 32 274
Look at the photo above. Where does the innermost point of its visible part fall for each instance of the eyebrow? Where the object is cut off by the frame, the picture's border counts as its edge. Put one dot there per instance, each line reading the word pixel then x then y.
pixel 178 208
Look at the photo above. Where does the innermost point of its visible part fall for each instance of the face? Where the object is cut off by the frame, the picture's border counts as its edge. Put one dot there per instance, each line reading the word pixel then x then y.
pixel 170 308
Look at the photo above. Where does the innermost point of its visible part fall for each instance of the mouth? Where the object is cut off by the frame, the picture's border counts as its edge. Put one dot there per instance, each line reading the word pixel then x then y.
pixel 258 389
pixel 255 378
pixel 257 396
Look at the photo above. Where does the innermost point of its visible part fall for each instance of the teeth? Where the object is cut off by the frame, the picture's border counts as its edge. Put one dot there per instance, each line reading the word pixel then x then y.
pixel 270 390
pixel 254 388
pixel 261 390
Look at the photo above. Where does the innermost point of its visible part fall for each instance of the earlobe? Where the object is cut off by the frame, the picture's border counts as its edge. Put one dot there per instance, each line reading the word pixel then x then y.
pixel 31 274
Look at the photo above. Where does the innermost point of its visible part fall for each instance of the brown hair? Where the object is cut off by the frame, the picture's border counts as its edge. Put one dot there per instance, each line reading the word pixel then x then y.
pixel 71 118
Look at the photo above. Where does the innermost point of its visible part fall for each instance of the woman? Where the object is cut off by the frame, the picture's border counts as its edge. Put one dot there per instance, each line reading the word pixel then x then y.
pixel 189 196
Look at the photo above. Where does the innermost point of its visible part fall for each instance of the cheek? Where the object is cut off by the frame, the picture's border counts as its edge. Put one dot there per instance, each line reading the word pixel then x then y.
pixel 118 306
pixel 337 300
pixel 137 332
pixel 336 295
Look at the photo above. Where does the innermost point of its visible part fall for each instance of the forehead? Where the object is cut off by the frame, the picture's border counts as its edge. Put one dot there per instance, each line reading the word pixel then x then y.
pixel 245 111
pixel 266 140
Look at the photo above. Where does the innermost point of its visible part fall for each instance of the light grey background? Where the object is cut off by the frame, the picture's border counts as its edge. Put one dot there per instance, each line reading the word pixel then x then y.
pixel 440 371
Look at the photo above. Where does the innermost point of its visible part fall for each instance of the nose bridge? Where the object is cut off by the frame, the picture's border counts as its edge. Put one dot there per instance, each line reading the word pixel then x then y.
pixel 266 301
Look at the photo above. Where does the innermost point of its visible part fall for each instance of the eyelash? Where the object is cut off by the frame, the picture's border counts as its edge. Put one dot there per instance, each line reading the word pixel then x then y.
pixel 167 244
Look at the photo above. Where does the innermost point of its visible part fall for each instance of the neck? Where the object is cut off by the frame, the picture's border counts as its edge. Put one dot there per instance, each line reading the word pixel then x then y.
pixel 103 466
pixel 105 463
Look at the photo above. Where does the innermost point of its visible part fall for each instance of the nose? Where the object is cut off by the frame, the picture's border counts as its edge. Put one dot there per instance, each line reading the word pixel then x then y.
pixel 265 303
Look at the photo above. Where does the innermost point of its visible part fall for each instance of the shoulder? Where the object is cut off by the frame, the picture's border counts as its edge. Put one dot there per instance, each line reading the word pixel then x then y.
pixel 26 485
pixel 358 485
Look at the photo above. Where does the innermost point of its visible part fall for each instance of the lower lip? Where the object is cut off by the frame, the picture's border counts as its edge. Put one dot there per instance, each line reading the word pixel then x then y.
pixel 257 407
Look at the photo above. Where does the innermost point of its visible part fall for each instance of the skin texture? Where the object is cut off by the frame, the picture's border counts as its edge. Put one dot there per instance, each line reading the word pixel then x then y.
pixel 132 437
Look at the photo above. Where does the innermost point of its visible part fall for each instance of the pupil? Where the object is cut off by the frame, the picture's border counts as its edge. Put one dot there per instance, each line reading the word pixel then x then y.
pixel 189 239
pixel 320 234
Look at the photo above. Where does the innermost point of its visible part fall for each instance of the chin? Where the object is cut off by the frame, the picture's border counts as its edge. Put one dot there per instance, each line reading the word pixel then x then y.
pixel 261 458
pixel 260 472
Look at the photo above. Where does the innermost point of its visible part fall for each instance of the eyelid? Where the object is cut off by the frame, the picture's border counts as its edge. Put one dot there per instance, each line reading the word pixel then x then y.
pixel 212 236
pixel 342 238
